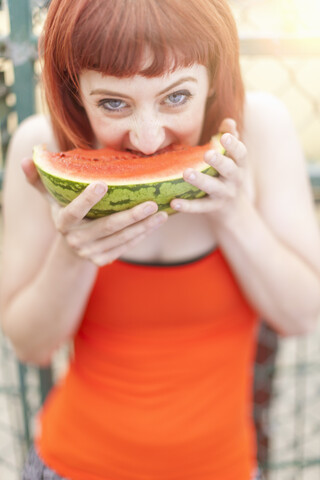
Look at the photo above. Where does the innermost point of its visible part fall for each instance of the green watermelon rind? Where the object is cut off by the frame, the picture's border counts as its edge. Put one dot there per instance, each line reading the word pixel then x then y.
pixel 123 197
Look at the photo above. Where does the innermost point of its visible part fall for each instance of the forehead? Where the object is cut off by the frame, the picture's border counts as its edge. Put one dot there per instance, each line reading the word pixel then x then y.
pixel 91 80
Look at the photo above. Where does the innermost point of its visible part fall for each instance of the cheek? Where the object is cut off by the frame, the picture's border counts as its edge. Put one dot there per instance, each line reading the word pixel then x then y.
pixel 106 133
pixel 191 127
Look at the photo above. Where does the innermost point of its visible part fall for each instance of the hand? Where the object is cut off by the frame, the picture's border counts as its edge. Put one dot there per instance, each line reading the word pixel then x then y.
pixel 233 180
pixel 104 239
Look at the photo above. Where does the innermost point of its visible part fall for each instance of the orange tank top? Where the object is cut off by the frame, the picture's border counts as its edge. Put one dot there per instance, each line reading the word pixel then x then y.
pixel 159 387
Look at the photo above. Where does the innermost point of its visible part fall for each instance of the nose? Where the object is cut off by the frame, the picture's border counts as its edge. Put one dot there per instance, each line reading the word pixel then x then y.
pixel 147 135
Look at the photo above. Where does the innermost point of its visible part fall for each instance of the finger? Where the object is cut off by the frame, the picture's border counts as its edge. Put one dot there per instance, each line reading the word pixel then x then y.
pixel 206 183
pixel 229 125
pixel 235 149
pixel 224 165
pixel 109 256
pixel 105 258
pixel 124 237
pixel 76 210
pixel 32 175
pixel 201 205
pixel 105 226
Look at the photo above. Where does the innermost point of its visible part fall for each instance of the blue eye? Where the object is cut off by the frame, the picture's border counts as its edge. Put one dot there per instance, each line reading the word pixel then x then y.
pixel 177 98
pixel 112 105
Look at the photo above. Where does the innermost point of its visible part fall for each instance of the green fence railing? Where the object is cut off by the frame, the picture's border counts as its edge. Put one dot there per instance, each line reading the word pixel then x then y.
pixel 22 52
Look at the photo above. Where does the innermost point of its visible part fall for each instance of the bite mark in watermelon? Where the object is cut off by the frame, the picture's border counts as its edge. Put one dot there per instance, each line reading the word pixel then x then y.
pixel 131 178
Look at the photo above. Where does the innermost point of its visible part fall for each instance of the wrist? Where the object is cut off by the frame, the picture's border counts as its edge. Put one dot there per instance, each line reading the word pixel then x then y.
pixel 232 217
pixel 69 257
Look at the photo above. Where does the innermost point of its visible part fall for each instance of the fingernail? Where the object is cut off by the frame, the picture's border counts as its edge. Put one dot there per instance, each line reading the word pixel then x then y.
pixel 210 155
pixel 227 140
pixel 159 218
pixel 150 208
pixel 100 189
pixel 190 174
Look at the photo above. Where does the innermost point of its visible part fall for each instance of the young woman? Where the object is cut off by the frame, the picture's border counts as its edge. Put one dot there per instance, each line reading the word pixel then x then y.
pixel 162 311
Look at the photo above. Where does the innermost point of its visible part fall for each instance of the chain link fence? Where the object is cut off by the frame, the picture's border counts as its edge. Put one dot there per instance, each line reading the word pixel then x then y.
pixel 280 53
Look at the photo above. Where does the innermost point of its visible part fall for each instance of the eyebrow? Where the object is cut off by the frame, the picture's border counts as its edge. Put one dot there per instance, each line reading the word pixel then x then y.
pixel 101 91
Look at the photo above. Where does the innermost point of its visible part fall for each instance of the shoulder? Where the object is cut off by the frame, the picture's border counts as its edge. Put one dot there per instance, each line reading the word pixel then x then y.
pixel 270 135
pixel 279 166
pixel 16 189
pixel 263 102
pixel 33 130
pixel 265 114
pixel 38 124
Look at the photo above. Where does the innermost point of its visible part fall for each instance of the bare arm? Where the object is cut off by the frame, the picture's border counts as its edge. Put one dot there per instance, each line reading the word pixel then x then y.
pixel 50 263
pixel 40 304
pixel 272 244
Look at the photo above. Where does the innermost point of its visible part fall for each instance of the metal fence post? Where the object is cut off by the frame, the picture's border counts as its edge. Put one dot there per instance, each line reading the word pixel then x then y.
pixel 21 51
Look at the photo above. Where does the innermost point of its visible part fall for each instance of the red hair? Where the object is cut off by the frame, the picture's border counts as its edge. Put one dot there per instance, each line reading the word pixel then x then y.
pixel 110 36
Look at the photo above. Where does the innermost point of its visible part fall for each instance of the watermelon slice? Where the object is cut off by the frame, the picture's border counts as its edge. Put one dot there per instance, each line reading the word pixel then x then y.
pixel 131 178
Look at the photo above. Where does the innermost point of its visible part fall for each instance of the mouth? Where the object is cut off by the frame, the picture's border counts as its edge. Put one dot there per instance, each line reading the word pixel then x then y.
pixel 161 151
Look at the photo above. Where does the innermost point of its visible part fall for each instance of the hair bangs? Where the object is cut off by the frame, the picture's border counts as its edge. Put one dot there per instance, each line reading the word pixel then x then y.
pixel 135 37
